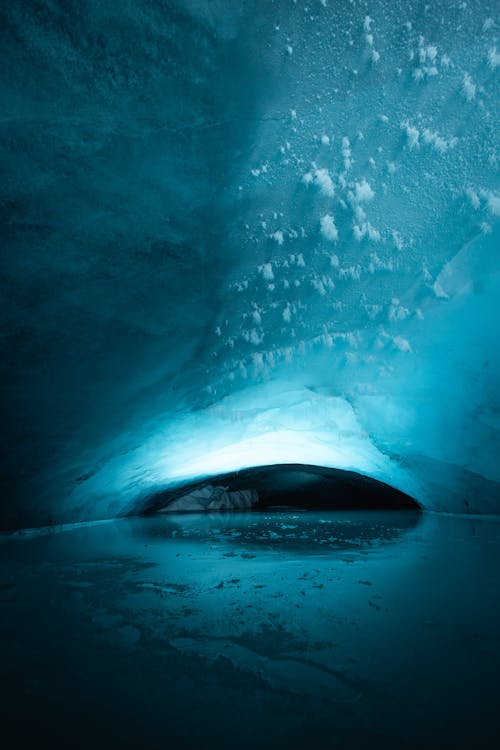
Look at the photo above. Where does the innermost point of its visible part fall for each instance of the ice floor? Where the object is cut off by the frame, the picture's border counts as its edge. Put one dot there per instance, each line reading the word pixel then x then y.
pixel 286 629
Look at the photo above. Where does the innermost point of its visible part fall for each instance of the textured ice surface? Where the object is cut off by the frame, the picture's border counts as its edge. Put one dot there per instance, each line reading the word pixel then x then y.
pixel 285 630
pixel 237 233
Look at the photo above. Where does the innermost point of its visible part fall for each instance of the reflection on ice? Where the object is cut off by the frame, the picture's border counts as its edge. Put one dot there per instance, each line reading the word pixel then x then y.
pixel 302 627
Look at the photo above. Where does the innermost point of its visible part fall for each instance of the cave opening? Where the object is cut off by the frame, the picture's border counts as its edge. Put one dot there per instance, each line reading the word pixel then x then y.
pixel 282 487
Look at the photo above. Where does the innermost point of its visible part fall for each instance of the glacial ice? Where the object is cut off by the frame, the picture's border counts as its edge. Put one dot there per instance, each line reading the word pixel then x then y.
pixel 210 498
pixel 243 233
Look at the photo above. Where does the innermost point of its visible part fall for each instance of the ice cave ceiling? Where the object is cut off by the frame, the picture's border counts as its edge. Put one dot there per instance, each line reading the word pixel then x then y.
pixel 239 233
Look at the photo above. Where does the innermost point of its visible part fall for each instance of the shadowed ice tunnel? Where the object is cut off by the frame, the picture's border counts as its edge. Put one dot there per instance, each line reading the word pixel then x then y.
pixel 239 234
pixel 250 260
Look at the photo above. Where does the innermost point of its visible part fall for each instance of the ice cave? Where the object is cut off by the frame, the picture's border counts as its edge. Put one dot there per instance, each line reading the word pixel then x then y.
pixel 250 363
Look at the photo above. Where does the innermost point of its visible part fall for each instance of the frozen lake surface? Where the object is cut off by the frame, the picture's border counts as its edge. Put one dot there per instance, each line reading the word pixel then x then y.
pixel 279 629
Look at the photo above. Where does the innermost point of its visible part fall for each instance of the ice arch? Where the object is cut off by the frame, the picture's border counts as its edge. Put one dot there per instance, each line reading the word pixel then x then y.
pixel 240 230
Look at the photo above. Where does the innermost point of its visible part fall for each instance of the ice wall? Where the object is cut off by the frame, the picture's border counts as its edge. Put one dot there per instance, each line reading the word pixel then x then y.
pixel 241 231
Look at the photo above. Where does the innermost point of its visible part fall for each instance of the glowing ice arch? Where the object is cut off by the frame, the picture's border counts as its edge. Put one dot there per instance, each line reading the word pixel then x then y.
pixel 266 424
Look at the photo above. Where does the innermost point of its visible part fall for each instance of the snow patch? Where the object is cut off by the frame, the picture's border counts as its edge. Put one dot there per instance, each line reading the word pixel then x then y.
pixel 353 272
pixel 328 228
pixel 401 344
pixel 438 142
pixel 321 178
pixel 379 264
pixel 255 338
pixel 346 153
pixel 363 191
pixel 426 60
pixel 397 312
pixel 267 271
pixel 412 134
pixel 493 202
pixel 366 230
pixel 493 58
pixel 397 239
pixel 319 286
pixel 324 182
pixel 468 88
pixel 473 197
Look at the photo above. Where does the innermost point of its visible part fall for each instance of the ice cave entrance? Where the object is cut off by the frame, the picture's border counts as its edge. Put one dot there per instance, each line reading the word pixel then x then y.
pixel 281 486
